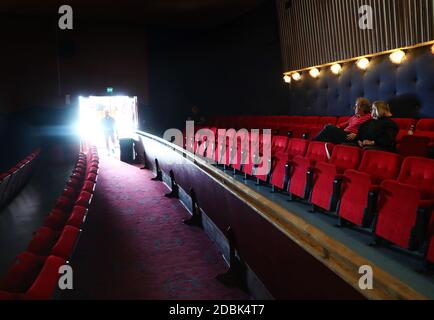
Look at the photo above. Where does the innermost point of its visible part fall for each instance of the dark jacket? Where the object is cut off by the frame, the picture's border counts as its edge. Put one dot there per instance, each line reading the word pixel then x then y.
pixel 383 131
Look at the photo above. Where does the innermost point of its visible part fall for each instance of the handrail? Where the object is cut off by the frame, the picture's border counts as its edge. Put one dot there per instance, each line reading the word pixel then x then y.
pixel 340 259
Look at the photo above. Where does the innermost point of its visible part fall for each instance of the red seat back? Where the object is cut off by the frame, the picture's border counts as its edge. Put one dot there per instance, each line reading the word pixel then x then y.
pixel 419 172
pixel 346 157
pixel 297 147
pixel 317 151
pixel 380 165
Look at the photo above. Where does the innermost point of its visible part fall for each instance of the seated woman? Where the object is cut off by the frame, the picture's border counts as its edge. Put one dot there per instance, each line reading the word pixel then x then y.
pixel 347 131
pixel 380 132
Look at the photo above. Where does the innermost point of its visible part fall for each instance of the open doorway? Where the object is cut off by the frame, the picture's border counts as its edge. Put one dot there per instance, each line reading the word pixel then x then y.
pixel 104 120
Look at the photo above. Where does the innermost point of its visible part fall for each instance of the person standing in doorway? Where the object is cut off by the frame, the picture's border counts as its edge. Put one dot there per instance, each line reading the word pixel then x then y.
pixel 108 125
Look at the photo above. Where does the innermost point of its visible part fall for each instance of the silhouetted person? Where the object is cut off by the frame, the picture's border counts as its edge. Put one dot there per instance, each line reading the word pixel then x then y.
pixel 108 125
pixel 347 131
pixel 196 116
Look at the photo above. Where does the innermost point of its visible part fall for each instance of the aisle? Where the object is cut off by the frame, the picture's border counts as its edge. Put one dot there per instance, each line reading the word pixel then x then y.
pixel 135 246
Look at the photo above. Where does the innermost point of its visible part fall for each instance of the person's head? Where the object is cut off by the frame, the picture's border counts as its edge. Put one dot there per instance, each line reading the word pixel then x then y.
pixel 380 109
pixel 107 113
pixel 362 106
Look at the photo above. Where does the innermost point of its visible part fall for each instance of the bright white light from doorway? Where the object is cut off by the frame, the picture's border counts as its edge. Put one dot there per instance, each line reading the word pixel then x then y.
pixel 122 109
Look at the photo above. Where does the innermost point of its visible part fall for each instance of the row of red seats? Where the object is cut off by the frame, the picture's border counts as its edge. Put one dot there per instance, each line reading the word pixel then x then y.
pixel 391 195
pixel 309 126
pixel 16 177
pixel 35 272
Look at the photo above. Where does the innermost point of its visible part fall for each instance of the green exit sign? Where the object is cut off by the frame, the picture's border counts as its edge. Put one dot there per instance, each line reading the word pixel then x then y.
pixel 109 90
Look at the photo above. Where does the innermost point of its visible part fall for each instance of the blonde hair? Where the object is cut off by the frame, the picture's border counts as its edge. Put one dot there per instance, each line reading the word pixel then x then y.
pixel 383 109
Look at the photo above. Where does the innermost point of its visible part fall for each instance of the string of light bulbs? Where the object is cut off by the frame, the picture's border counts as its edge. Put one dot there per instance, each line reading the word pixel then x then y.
pixel 397 57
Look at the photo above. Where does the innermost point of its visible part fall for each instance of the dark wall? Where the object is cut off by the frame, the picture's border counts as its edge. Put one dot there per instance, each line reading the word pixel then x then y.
pixel 41 64
pixel 409 87
pixel 230 69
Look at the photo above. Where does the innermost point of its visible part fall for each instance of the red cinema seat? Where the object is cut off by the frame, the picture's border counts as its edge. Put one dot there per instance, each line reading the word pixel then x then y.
pixel 88 186
pixel 322 122
pixel 69 193
pixel 63 203
pixel 9 296
pixel 242 150
pixel 300 182
pixel 279 144
pixel 22 273
pixel 265 143
pixel 47 281
pixel 306 126
pixel 77 217
pixel 42 242
pixel 325 185
pixel 253 155
pixel 92 177
pixel 405 205
pixel 56 220
pixel 84 199
pixel 404 125
pixel 281 162
pixel 425 128
pixel 414 146
pixel 360 187
pixel 73 183
pixel 65 245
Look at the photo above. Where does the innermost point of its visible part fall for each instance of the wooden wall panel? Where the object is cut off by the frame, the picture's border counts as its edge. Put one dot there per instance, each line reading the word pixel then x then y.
pixel 316 32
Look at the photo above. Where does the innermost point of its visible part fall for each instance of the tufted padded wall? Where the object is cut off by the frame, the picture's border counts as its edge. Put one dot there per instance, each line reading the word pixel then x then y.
pixel 409 87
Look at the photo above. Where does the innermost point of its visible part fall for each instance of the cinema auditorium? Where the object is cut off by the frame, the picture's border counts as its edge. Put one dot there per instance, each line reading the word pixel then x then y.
pixel 231 150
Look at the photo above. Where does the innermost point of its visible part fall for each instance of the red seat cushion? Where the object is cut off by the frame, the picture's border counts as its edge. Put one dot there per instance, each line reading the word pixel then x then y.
pixel 77 217
pixel 84 199
pixel 300 165
pixel 63 203
pixel 56 220
pixel 74 183
pixel 43 240
pixel 279 169
pixel 22 273
pixel 47 280
pixel 91 177
pixel 355 189
pixel 88 186
pixel 64 246
pixel 343 158
pixel 397 212
pixel 69 193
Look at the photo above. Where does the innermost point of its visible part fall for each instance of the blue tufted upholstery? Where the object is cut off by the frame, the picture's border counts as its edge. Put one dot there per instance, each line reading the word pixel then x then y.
pixel 408 87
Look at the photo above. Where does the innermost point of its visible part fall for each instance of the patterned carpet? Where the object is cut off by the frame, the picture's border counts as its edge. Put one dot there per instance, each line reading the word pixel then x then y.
pixel 135 246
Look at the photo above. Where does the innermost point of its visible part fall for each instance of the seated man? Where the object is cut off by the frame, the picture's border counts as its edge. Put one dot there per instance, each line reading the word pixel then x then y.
pixel 347 131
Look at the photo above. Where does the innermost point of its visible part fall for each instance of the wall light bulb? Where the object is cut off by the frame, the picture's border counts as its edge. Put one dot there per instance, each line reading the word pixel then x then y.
pixel 296 76
pixel 363 63
pixel 314 73
pixel 397 56
pixel 336 68
pixel 287 78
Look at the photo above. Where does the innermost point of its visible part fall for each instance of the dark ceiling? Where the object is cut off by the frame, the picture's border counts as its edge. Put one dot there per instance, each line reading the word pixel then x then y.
pixel 167 12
